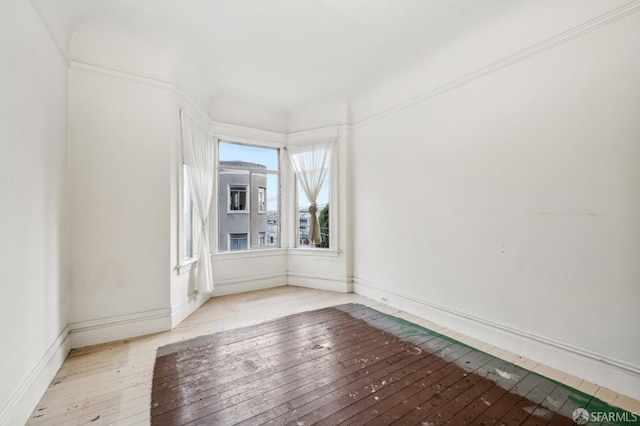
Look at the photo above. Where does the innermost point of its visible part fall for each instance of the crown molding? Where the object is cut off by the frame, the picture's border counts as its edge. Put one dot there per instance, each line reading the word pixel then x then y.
pixel 312 135
pixel 191 107
pixel 531 51
pixel 182 98
pixel 53 34
pixel 81 66
pixel 240 133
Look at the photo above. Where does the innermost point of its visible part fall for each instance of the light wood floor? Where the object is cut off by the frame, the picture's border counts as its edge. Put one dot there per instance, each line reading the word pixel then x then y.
pixel 111 383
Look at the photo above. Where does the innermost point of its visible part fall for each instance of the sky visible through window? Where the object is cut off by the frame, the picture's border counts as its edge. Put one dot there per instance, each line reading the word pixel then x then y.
pixel 269 158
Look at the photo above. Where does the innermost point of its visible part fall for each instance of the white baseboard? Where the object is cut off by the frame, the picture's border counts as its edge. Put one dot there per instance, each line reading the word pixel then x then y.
pixel 24 400
pixel 104 330
pixel 602 369
pixel 186 307
pixel 249 283
pixel 320 282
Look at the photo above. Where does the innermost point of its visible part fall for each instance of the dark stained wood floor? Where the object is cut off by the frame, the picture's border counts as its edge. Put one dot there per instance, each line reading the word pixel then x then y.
pixel 348 365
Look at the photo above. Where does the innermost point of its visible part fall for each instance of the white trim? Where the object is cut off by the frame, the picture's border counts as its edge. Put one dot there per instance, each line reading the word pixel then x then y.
pixel 603 369
pixel 187 265
pixel 250 278
pixel 55 37
pixel 185 103
pixel 335 283
pixel 531 51
pixel 187 306
pixel 313 135
pixel 247 254
pixel 249 283
pixel 248 135
pixel 80 66
pixel 334 195
pixel 313 251
pixel 21 404
pixel 92 332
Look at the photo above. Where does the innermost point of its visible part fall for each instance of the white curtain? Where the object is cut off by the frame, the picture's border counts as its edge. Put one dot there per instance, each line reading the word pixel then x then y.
pixel 198 151
pixel 311 163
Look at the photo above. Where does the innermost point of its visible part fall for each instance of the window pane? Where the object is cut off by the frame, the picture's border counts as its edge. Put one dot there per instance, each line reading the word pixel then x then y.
pixel 273 217
pixel 248 197
pixel 190 229
pixel 322 214
pixel 187 215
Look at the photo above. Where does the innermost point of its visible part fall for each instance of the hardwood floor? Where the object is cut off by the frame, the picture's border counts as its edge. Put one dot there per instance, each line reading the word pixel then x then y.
pixel 112 383
pixel 345 365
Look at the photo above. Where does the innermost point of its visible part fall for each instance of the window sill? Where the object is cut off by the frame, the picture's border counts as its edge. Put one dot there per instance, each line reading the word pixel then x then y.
pixel 244 254
pixel 313 251
pixel 187 265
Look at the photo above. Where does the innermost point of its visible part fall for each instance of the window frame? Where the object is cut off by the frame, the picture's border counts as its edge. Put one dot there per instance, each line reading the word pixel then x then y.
pixel 214 220
pixel 247 197
pixel 334 200
pixel 262 200
pixel 247 240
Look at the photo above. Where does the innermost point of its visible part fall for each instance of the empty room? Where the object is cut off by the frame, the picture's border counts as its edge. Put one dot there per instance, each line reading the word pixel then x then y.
pixel 221 212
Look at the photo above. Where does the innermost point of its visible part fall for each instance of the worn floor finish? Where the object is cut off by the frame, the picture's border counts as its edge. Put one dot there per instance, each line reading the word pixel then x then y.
pixel 348 365
pixel 111 384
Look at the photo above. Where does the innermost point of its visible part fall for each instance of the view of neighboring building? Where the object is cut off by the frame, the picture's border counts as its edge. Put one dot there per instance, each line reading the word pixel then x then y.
pixel 242 207
pixel 272 229
pixel 305 226
pixel 243 219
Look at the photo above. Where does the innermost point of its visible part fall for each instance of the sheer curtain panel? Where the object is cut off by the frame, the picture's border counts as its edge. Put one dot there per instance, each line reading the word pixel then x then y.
pixel 311 162
pixel 198 152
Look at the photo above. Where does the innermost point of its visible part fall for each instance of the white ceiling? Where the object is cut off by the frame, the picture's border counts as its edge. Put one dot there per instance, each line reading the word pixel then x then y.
pixel 290 53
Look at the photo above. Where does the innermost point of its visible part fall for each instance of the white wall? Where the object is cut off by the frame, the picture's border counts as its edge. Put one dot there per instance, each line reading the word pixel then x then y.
pixel 33 187
pixel 509 208
pixel 120 136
